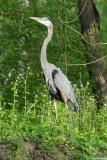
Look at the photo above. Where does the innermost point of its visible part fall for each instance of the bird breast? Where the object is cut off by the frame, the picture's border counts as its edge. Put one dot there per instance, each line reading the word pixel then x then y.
pixel 49 81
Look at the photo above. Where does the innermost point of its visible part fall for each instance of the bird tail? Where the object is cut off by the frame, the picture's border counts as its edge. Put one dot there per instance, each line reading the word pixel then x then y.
pixel 75 106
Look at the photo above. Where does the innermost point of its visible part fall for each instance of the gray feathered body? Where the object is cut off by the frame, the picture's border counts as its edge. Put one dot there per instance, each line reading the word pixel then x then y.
pixel 59 86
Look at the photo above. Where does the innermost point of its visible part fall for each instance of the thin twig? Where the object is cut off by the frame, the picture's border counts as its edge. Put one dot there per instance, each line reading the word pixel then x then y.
pixel 74 49
pixel 76 18
pixel 84 64
pixel 98 43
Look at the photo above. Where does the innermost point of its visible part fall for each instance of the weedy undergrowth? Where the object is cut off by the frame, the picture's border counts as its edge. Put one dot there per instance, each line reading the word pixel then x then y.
pixel 34 121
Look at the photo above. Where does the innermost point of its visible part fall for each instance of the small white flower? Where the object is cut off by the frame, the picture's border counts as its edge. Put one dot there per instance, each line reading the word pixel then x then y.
pixel 105 105
pixel 88 83
pixel 28 67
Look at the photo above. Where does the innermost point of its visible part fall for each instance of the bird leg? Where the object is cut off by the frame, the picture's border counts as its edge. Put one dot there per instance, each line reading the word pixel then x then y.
pixel 56 113
pixel 69 120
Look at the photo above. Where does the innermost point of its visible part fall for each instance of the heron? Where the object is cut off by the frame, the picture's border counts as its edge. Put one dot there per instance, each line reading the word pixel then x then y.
pixel 57 83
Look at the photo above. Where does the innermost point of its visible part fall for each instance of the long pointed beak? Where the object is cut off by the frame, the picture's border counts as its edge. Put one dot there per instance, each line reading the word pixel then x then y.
pixel 35 19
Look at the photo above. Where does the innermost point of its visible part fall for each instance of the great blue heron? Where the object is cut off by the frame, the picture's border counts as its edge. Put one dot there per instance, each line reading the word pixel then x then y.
pixel 57 83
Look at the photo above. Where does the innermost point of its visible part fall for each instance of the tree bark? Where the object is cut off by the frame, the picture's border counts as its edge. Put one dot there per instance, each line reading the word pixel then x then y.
pixel 90 27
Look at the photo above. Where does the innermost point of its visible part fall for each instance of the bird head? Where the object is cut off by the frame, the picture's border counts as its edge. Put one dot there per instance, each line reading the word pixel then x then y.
pixel 45 21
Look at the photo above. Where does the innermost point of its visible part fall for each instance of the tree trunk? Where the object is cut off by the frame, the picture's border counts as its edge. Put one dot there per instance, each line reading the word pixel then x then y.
pixel 90 27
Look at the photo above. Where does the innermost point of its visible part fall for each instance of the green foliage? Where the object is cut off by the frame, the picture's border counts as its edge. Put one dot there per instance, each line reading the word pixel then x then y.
pixel 21 40
pixel 25 108
pixel 102 8
pixel 85 137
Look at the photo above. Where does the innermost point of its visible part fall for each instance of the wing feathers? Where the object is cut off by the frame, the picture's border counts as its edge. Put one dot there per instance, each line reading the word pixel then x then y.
pixel 62 84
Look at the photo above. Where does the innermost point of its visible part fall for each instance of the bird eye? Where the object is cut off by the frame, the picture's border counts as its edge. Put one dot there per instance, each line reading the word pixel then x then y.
pixel 48 18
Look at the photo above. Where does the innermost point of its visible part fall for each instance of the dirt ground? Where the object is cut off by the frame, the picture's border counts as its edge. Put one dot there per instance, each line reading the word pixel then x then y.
pixel 29 151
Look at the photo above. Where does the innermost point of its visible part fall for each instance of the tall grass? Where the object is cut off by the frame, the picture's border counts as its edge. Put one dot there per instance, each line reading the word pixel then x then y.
pixel 35 120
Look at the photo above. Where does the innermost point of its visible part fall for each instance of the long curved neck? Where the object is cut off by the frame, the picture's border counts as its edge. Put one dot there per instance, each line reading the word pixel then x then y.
pixel 43 57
